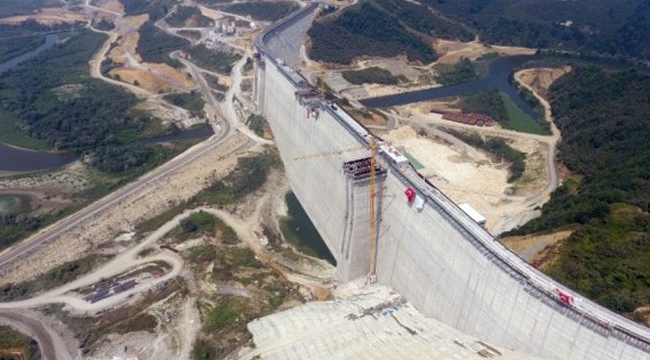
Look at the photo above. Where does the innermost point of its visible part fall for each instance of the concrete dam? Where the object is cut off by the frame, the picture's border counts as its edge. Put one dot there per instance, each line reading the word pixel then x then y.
pixel 427 248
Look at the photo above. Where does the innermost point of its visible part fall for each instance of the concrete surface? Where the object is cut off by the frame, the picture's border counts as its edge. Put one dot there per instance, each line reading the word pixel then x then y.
pixel 437 258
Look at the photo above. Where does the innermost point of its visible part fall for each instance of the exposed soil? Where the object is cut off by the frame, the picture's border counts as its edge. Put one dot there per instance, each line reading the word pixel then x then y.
pixel 537 249
pixel 541 79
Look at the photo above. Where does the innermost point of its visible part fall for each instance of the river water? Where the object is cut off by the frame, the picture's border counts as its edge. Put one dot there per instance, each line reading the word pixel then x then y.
pixel 13 159
pixel 498 73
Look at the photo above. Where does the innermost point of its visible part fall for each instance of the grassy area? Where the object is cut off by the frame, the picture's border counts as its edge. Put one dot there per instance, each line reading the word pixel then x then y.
pixel 370 75
pixel 249 176
pixel 13 46
pixel 213 60
pixel 462 71
pixel 203 223
pixel 519 121
pixel 263 11
pixel 16 346
pixel 191 102
pixel 257 123
pixel 56 277
pixel 10 135
pixel 20 7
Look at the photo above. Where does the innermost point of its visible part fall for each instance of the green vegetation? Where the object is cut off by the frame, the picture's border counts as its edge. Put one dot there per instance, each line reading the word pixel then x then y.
pixel 224 314
pixel 104 25
pixel 155 45
pixel 462 71
pixel 370 75
pixel 196 224
pixel 16 346
pixel 155 8
pixel 249 176
pixel 13 45
pixel 383 28
pixel 10 134
pixel 21 7
pixel 503 110
pixel 263 11
pixel 365 29
pixel 257 123
pixel 299 231
pixel 191 102
pixel 201 223
pixel 500 150
pixel 55 277
pixel 519 121
pixel 53 98
pixel 218 61
pixel 487 102
pixel 609 262
pixel 189 15
pixel 615 28
pixel 605 123
pixel 204 350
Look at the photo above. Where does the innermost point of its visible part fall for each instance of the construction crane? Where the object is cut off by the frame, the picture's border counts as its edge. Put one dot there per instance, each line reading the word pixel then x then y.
pixel 372 146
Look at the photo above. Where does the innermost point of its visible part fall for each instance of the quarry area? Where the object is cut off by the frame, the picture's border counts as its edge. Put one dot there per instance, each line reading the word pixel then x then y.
pixel 195 264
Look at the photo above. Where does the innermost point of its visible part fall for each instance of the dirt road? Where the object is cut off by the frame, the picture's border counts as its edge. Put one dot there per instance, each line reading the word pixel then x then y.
pixel 49 342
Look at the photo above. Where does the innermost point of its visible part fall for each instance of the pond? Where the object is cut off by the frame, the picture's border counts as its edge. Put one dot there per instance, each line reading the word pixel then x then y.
pixel 299 231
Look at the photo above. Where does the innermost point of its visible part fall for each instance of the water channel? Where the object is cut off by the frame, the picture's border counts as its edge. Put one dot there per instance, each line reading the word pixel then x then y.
pixel 497 76
pixel 14 159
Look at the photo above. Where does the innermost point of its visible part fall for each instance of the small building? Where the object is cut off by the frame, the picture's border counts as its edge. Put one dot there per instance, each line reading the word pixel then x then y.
pixel 475 215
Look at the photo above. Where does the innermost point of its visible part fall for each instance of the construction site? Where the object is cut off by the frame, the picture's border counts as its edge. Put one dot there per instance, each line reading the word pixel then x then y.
pixel 190 261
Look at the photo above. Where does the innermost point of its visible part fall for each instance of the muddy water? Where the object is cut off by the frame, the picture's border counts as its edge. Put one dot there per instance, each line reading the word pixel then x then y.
pixel 299 231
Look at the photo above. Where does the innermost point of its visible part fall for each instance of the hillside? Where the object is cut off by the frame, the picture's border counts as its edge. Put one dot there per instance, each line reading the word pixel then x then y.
pixel 605 123
pixel 383 28
pixel 620 29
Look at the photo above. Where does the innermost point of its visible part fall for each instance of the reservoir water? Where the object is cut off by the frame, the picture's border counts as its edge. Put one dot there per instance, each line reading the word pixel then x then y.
pixel 497 76
pixel 15 159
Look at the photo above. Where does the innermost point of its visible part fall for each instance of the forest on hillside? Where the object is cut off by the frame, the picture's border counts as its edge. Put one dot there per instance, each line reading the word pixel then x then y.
pixel 604 118
pixel 618 29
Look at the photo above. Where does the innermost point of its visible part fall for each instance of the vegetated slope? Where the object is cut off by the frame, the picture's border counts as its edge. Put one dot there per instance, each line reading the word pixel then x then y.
pixel 21 7
pixel 155 45
pixel 264 11
pixel 605 123
pixel 604 26
pixel 188 16
pixel 155 8
pixel 381 28
pixel 54 99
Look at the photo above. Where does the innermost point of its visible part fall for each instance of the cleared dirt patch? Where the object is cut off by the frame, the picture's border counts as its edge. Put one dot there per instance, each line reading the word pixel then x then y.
pixel 541 79
pixel 535 248
pixel 466 177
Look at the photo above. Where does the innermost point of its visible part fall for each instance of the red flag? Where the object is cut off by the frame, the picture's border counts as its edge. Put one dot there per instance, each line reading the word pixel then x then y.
pixel 410 194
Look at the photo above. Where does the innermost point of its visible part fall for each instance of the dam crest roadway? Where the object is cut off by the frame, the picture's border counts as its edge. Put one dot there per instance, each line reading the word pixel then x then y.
pixel 430 251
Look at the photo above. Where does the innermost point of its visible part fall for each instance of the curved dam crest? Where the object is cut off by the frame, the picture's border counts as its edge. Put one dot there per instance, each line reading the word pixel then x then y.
pixel 430 251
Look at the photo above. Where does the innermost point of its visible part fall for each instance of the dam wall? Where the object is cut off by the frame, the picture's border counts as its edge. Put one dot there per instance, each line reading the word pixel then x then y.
pixel 429 250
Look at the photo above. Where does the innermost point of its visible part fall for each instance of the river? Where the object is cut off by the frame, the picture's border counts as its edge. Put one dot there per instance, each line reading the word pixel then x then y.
pixel 14 159
pixel 50 40
pixel 497 75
